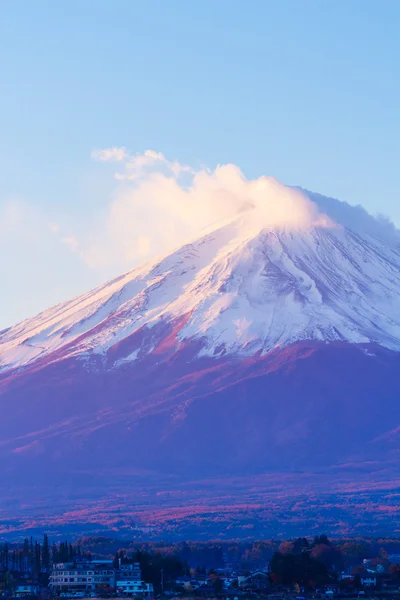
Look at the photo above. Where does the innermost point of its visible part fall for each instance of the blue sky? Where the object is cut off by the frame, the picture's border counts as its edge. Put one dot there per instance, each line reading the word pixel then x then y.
pixel 306 91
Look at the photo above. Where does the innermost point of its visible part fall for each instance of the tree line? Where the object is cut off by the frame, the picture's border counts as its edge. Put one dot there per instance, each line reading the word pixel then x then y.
pixel 37 557
pixel 246 555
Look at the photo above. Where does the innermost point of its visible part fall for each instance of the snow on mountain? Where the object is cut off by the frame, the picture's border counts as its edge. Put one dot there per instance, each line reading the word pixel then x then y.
pixel 245 286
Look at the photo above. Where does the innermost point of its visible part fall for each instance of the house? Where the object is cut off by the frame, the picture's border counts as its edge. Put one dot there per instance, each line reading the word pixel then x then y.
pixel 331 590
pixel 229 581
pixel 26 590
pixel 182 581
pixel 379 568
pixel 192 583
pixel 259 580
pixel 134 587
pixel 368 580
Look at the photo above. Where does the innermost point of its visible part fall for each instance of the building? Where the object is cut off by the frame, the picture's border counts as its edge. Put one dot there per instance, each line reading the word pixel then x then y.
pixel 134 587
pixel 227 581
pixel 129 581
pixel 129 571
pixel 22 591
pixel 82 576
pixel 183 581
pixel 259 580
pixel 368 580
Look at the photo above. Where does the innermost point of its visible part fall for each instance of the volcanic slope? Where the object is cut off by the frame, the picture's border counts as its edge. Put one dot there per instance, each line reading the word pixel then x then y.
pixel 257 348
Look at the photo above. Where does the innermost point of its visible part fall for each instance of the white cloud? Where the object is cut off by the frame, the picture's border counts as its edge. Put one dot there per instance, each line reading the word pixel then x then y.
pixel 109 154
pixel 140 165
pixel 71 241
pixel 159 204
pixel 144 245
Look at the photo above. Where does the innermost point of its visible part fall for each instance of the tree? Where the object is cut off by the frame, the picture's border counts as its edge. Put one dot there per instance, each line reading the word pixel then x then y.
pixel 329 555
pixel 384 556
pixel 6 558
pixel 46 553
pixel 186 552
pixel 37 563
pixel 54 553
pixel 301 545
pixel 152 565
pixel 31 555
pixel 286 548
pixel 321 539
pixel 298 568
pixel 218 585
pixel 394 571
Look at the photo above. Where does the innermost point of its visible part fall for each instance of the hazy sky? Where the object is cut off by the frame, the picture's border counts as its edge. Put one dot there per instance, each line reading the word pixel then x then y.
pixel 306 91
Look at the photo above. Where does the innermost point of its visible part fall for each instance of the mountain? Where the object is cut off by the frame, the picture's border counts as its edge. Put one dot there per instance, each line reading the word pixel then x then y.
pixel 259 356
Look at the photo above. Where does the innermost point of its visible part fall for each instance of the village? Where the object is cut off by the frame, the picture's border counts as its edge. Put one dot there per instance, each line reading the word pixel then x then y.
pixel 297 569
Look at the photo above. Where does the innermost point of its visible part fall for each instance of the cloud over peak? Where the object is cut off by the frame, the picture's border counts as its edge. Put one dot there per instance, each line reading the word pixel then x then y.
pixel 150 206
pixel 160 203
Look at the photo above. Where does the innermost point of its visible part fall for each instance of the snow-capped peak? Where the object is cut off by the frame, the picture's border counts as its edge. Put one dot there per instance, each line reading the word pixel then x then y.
pixel 247 285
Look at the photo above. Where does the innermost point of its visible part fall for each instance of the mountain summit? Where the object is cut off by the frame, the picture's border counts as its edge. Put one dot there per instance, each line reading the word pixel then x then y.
pixel 265 346
pixel 246 286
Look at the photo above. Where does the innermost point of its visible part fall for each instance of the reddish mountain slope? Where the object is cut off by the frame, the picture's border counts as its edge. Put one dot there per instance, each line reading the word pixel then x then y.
pixel 240 368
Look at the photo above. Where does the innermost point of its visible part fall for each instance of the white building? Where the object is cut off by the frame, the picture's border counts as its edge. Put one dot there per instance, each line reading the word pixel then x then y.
pixel 82 576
